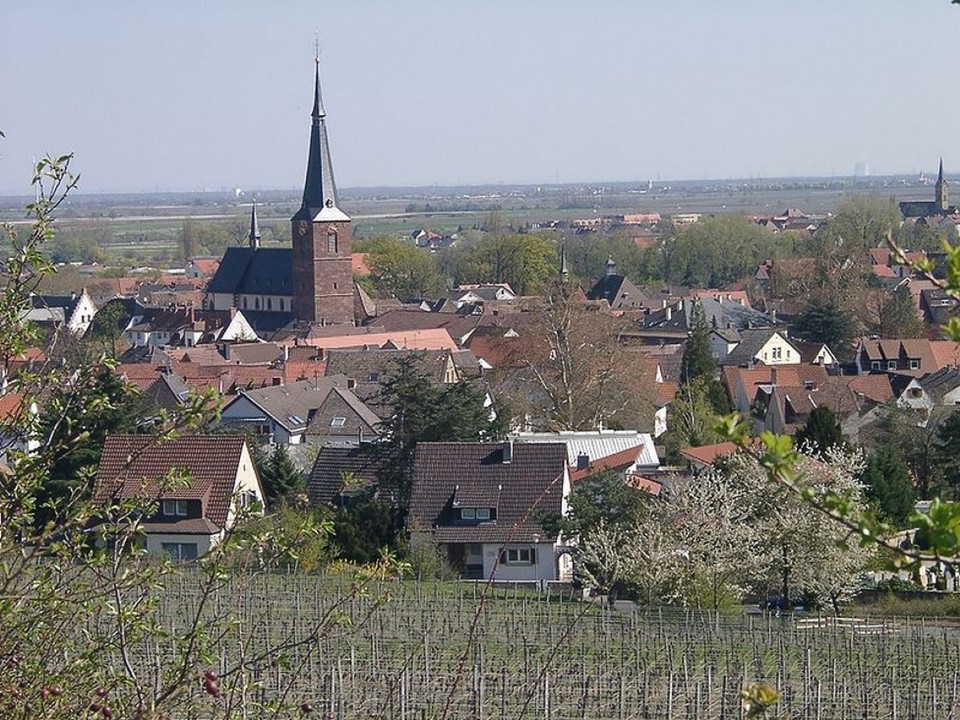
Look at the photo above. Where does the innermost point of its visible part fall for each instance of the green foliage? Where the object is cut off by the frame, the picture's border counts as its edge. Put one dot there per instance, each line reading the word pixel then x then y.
pixel 280 478
pixel 106 330
pixel 528 262
pixel 600 498
pixel 692 419
pixel 887 484
pixel 947 444
pixel 826 319
pixel 424 411
pixel 76 418
pixel 400 268
pixel 715 251
pixel 363 527
pixel 821 431
pixel 898 316
pixel 697 361
pixel 290 537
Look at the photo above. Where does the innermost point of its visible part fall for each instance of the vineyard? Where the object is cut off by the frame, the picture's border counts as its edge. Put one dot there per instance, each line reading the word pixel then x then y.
pixel 402 650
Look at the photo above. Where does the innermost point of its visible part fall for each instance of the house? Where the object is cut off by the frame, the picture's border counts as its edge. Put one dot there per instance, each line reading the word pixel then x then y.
pixel 936 389
pixel 914 357
pixel 617 290
pixel 201 268
pixel 16 417
pixel 282 413
pixel 495 292
pixel 73 312
pixel 340 473
pixel 194 486
pixel 480 504
pixel 187 327
pixel 767 345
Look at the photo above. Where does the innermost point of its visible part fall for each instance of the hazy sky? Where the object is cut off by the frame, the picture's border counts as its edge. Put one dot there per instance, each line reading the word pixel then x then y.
pixel 189 95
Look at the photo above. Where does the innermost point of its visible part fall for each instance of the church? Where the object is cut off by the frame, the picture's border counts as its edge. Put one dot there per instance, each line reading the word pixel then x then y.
pixel 939 206
pixel 310 282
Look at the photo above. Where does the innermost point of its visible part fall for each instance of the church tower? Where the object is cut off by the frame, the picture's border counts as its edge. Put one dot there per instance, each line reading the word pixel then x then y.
pixel 322 234
pixel 942 190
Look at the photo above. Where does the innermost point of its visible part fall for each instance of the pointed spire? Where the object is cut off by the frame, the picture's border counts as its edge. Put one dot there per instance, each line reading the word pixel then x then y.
pixel 564 272
pixel 940 174
pixel 254 236
pixel 319 189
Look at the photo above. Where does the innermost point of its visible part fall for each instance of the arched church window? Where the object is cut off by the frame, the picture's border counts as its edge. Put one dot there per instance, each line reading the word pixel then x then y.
pixel 332 242
pixel 256 303
pixel 244 303
pixel 269 304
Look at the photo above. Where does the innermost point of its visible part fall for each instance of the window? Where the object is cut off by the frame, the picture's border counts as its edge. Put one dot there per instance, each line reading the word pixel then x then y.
pixel 776 353
pixel 468 514
pixel 256 303
pixel 174 508
pixel 281 304
pixel 244 303
pixel 338 422
pixel 180 552
pixel 914 364
pixel 332 244
pixel 247 499
pixel 269 304
pixel 875 365
pixel 891 364
pixel 483 513
pixel 519 556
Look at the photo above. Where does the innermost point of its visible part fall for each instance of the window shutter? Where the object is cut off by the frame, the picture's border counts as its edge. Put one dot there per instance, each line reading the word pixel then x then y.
pixel 533 556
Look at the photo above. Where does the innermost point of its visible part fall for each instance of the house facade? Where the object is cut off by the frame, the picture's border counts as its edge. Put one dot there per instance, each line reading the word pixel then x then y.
pixel 478 504
pixel 194 486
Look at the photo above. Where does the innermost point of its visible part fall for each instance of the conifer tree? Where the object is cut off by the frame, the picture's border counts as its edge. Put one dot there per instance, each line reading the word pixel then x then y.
pixel 697 358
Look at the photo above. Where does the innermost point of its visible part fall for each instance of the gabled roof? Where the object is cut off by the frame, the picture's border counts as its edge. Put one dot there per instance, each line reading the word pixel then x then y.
pixel 292 406
pixel 361 464
pixel 357 420
pixel 254 271
pixel 133 466
pixel 751 342
pixel 618 292
pixel 598 444
pixel 530 485
pixel 254 353
pixel 459 326
pixel 939 383
pixel 709 454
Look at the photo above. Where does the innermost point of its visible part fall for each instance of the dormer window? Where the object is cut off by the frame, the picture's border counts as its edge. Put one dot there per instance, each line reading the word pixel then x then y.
pixel 914 364
pixel 332 242
pixel 338 422
pixel 480 514
pixel 174 508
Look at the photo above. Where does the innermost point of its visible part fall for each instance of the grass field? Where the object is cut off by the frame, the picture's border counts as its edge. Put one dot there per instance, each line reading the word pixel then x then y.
pixel 404 652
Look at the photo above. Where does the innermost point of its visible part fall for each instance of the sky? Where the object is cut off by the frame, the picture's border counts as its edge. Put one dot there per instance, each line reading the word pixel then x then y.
pixel 184 95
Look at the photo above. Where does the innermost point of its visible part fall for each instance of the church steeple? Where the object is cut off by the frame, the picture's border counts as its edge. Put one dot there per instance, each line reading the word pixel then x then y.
pixel 564 271
pixel 942 190
pixel 319 189
pixel 254 236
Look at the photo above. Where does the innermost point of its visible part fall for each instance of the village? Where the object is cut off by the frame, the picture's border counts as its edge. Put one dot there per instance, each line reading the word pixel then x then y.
pixel 538 452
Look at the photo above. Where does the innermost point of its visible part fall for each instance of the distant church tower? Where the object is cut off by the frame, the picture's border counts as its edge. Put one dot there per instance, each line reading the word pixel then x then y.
pixel 942 190
pixel 322 233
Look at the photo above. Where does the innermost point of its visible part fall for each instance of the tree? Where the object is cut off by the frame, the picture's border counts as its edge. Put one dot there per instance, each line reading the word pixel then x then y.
pixel 402 269
pixel 568 370
pixel 826 319
pixel 886 481
pixel 692 419
pixel 897 316
pixel 280 478
pixel 715 251
pixel 821 432
pixel 697 361
pixel 424 411
pixel 82 600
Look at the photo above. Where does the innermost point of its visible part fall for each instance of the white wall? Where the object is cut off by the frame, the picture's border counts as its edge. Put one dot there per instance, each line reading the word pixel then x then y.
pixel 543 569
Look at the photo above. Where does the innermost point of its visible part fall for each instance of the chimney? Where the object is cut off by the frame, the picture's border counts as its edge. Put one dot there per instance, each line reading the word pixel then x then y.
pixel 773 376
pixel 669 311
pixel 508 452
pixel 583 461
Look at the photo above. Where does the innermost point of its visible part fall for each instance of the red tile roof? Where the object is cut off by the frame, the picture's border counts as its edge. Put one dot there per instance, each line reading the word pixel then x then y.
pixel 709 454
pixel 135 466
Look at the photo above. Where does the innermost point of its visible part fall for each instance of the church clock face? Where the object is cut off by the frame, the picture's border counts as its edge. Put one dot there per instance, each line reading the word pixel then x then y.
pixel 302 227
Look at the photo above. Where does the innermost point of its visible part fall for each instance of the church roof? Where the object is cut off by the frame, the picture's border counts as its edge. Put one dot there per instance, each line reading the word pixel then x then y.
pixel 320 201
pixel 254 271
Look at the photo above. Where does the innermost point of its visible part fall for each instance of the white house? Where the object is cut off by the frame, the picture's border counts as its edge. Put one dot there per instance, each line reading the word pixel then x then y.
pixel 479 505
pixel 194 487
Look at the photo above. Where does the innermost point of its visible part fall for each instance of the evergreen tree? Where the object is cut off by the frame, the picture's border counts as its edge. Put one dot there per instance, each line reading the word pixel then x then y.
pixel 280 478
pixel 697 359
pixel 898 316
pixel 822 431
pixel 824 319
pixel 887 484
